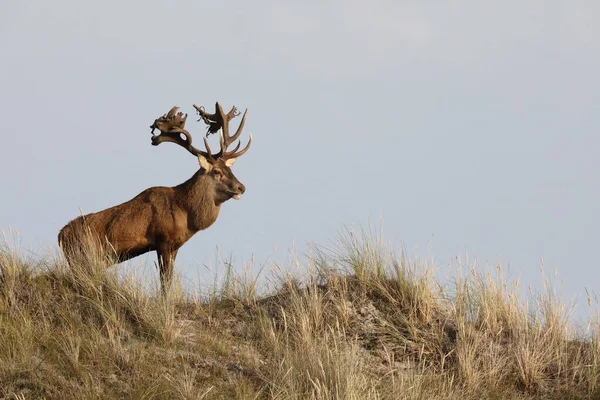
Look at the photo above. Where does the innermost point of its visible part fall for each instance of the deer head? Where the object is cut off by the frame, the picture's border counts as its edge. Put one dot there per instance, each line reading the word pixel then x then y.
pixel 217 167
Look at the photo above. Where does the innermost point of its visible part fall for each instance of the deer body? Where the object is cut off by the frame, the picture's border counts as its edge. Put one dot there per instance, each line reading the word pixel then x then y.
pixel 162 219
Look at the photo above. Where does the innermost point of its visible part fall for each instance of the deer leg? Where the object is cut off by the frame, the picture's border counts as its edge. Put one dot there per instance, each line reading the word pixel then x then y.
pixel 166 258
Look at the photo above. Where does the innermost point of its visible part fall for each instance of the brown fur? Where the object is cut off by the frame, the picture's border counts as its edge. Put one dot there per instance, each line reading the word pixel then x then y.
pixel 159 219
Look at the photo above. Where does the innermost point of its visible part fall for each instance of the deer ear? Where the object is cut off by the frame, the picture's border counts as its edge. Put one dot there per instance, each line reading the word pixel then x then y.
pixel 230 162
pixel 204 163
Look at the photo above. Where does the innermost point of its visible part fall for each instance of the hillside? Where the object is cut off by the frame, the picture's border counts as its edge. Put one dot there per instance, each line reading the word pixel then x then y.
pixel 364 323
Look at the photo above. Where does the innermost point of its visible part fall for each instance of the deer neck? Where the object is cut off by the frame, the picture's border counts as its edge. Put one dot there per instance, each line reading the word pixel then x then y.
pixel 197 198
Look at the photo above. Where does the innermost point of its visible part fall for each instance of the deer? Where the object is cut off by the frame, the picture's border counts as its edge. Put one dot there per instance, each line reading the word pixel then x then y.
pixel 163 219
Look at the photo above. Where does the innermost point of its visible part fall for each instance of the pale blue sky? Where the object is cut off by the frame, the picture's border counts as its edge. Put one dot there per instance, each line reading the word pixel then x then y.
pixel 464 127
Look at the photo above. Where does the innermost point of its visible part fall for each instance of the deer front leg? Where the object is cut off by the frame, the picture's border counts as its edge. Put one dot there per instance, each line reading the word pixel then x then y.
pixel 166 259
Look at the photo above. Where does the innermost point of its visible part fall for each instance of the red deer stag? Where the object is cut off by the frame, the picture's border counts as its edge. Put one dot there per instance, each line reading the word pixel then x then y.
pixel 164 218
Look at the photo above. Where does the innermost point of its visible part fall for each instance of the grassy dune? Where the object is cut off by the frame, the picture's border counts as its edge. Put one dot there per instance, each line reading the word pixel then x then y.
pixel 362 323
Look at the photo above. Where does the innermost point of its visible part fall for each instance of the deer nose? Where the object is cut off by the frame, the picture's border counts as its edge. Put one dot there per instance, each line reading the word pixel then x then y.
pixel 240 188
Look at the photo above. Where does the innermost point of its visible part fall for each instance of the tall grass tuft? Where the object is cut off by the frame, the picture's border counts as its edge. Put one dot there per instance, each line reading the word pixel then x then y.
pixel 363 322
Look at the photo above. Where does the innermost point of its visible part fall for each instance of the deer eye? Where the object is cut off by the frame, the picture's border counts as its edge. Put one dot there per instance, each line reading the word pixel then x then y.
pixel 218 173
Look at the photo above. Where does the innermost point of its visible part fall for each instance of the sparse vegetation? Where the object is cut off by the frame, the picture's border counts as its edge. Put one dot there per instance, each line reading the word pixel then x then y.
pixel 364 323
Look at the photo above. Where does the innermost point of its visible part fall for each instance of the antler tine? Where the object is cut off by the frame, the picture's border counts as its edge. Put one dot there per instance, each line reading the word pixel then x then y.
pixel 222 142
pixel 224 120
pixel 207 147
pixel 171 112
pixel 236 155
pixel 238 132
pixel 237 146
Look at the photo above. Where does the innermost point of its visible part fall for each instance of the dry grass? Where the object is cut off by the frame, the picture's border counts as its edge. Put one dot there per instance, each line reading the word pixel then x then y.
pixel 363 324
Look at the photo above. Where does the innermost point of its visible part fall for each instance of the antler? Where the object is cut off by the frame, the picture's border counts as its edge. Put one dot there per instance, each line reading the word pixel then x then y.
pixel 220 120
pixel 171 127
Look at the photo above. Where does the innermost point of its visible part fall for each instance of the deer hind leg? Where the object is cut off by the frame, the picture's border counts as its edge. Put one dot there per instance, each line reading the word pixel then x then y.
pixel 166 258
